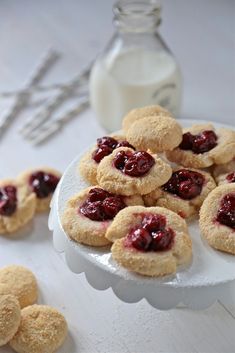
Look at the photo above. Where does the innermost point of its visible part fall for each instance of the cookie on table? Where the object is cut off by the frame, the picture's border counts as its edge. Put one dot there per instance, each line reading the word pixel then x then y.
pixel 204 145
pixel 42 182
pixel 42 330
pixel 140 113
pixel 17 205
pixel 217 218
pixel 225 173
pixel 104 146
pixel 88 214
pixel 20 282
pixel 151 241
pixel 156 133
pixel 9 318
pixel 183 193
pixel 129 172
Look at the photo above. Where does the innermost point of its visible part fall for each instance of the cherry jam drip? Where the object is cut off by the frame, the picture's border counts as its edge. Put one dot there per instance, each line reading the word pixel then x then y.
pixel 43 184
pixel 100 205
pixel 151 234
pixel 199 143
pixel 8 200
pixel 185 183
pixel 134 164
pixel 106 145
pixel 231 177
pixel 226 212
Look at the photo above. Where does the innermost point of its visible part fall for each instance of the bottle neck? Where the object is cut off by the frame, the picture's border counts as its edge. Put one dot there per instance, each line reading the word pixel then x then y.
pixel 137 16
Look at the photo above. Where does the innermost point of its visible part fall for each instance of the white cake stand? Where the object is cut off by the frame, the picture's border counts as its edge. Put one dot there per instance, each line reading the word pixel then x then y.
pixel 210 277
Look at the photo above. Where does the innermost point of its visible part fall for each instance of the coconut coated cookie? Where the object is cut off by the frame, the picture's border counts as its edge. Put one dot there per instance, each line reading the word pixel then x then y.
pixel 17 205
pixel 140 113
pixel 20 282
pixel 9 318
pixel 183 193
pixel 104 146
pixel 129 172
pixel 217 218
pixel 89 214
pixel 203 146
pixel 42 182
pixel 156 133
pixel 42 330
pixel 150 241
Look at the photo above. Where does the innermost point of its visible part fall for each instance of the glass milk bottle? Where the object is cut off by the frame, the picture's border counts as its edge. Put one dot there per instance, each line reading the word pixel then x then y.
pixel 136 68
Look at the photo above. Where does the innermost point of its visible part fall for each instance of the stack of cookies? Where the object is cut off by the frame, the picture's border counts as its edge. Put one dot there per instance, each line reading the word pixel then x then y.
pixel 146 182
pixel 26 326
pixel 20 198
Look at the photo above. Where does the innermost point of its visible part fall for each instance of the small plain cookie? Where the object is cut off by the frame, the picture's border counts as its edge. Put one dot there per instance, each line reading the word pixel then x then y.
pixel 9 318
pixel 150 241
pixel 217 218
pixel 17 205
pixel 42 182
pixel 222 152
pixel 116 181
pixel 88 214
pixel 140 113
pixel 20 282
pixel 42 330
pixel 184 192
pixel 156 133
pixel 104 146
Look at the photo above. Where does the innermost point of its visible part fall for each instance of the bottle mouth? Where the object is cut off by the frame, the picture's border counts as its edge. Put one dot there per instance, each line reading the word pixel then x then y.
pixel 137 15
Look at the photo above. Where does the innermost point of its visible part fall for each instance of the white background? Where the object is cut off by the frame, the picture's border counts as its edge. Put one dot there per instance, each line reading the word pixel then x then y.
pixel 201 35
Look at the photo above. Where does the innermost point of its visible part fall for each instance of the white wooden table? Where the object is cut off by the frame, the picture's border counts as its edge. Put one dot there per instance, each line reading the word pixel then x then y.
pixel 200 33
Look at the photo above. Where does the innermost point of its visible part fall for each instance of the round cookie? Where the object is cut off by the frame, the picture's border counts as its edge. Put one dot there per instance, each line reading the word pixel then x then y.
pixel 17 205
pixel 20 282
pixel 222 152
pixel 87 222
pixel 42 181
pixel 150 241
pixel 196 186
pixel 217 218
pixel 156 133
pixel 42 330
pixel 114 180
pixel 140 113
pixel 225 173
pixel 9 318
pixel 88 166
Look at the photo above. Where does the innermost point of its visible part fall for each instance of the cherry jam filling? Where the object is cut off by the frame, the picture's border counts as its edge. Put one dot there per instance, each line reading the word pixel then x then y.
pixel 106 145
pixel 43 184
pixel 151 235
pixel 133 164
pixel 100 205
pixel 8 200
pixel 185 183
pixel 231 177
pixel 199 143
pixel 226 212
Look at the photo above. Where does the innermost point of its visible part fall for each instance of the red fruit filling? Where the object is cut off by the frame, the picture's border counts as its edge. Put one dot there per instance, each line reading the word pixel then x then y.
pixel 151 234
pixel 231 177
pixel 185 183
pixel 100 205
pixel 8 200
pixel 43 184
pixel 199 143
pixel 133 164
pixel 106 145
pixel 226 212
